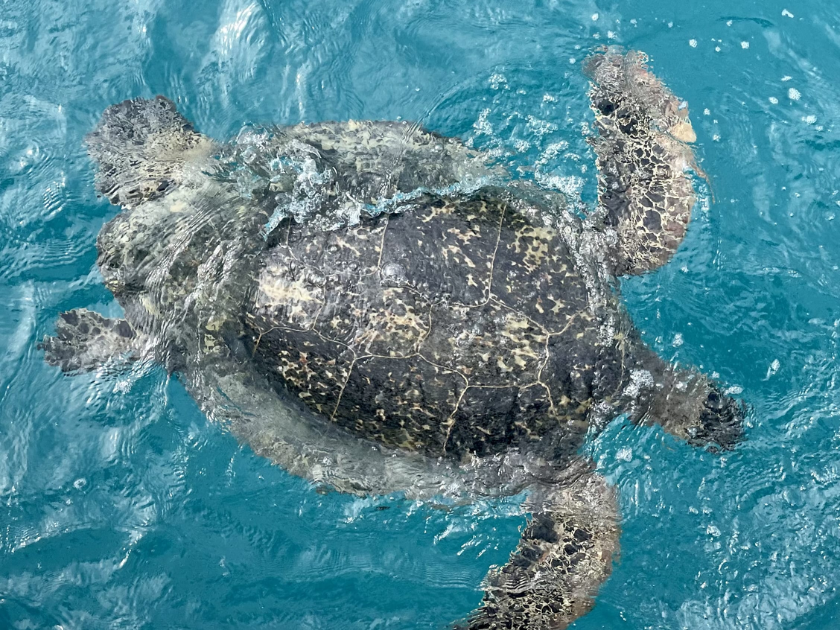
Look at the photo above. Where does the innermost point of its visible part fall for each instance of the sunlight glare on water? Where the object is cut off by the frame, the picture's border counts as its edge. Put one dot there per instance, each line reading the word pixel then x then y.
pixel 121 506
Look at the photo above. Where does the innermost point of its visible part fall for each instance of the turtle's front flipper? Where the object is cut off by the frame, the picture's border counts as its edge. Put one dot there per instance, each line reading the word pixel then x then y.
pixel 685 402
pixel 85 340
pixel 645 195
pixel 142 148
pixel 565 553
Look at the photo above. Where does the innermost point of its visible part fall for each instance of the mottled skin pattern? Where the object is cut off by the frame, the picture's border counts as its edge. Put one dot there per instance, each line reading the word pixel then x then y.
pixel 362 303
pixel 563 553
pixel 642 159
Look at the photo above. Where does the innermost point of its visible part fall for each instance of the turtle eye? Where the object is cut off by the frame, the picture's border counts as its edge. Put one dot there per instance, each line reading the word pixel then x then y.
pixel 606 107
pixel 109 263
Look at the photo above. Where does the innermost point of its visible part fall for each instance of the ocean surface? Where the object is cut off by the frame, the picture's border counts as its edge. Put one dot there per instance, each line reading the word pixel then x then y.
pixel 121 506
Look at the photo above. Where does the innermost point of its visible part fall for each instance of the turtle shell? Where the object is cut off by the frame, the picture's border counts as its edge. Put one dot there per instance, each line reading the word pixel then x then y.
pixel 458 325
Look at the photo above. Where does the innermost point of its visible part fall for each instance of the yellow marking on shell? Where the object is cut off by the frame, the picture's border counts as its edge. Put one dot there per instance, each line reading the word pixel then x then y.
pixel 515 323
pixel 532 242
pixel 397 324
pixel 458 254
pixel 559 305
pixel 432 212
pixel 214 325
pixel 344 244
pixel 527 350
pixel 281 292
pixel 514 327
pixel 465 237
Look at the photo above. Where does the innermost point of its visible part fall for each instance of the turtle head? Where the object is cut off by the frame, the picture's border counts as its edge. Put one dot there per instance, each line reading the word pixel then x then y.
pixel 140 147
pixel 624 81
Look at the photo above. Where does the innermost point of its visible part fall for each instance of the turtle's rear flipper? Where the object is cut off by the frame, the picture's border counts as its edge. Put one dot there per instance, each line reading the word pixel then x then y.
pixel 85 340
pixel 564 555
pixel 645 194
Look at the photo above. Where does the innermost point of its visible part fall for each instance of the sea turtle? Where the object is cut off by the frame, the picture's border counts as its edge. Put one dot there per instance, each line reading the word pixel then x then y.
pixel 377 308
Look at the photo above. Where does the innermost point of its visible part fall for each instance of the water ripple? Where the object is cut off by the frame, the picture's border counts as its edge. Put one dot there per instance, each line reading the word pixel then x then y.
pixel 120 506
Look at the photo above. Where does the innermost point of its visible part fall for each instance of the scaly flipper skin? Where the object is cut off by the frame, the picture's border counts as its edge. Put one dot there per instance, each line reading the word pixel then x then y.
pixel 141 146
pixel 85 340
pixel 565 553
pixel 644 191
pixel 684 402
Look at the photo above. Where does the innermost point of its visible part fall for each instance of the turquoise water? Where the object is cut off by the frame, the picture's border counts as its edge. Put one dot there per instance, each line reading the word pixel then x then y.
pixel 122 507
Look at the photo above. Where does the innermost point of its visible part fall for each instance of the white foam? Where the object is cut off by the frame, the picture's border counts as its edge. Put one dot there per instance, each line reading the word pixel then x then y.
pixel 624 454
